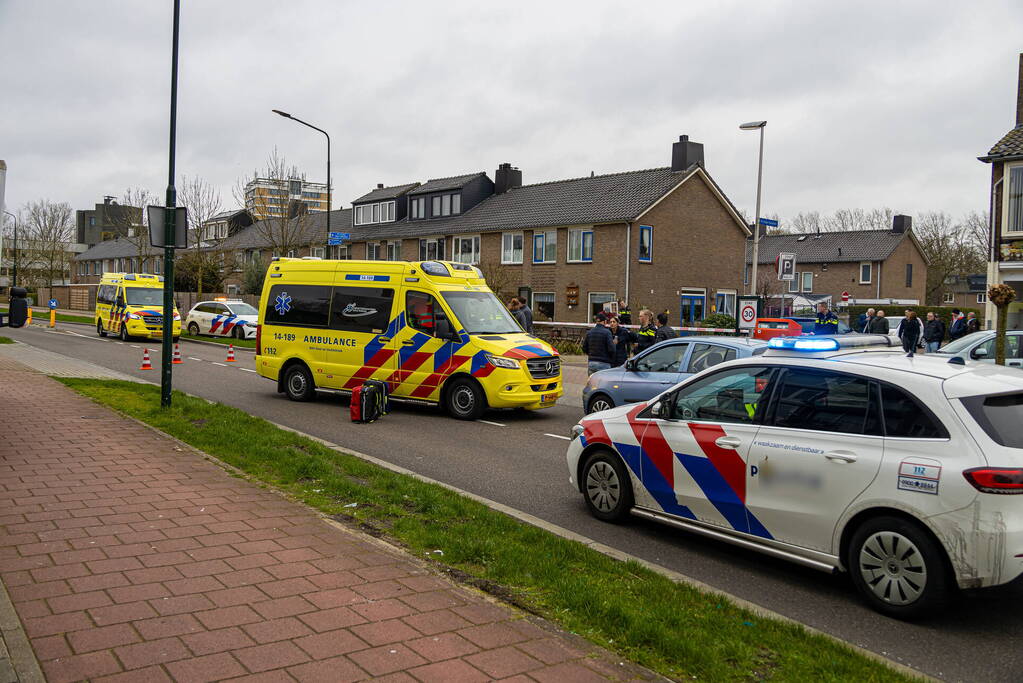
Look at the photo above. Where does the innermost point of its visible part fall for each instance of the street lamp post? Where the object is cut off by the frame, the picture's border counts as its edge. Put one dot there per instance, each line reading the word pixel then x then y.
pixel 754 125
pixel 298 120
pixel 14 259
pixel 169 227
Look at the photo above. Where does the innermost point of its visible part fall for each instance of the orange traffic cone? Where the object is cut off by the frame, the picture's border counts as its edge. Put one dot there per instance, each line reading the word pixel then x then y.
pixel 176 358
pixel 230 353
pixel 146 365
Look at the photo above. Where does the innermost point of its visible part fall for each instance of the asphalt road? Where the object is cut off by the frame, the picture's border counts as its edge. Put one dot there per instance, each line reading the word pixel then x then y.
pixel 518 458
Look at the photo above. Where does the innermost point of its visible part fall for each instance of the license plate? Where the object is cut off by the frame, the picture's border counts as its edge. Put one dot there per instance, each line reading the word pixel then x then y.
pixel 547 398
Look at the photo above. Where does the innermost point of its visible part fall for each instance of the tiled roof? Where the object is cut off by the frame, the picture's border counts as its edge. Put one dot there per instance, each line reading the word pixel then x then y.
pixel 441 184
pixel 382 193
pixel 116 248
pixel 609 198
pixel 829 247
pixel 224 215
pixel 1010 146
pixel 313 227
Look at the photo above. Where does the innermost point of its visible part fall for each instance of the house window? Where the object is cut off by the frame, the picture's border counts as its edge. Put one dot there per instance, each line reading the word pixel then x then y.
pixel 597 301
pixel 724 302
pixel 745 274
pixel 339 252
pixel 445 204
pixel 158 267
pixel 467 249
pixel 545 246
pixel 319 252
pixel 295 187
pixel 381 212
pixel 417 207
pixel 982 298
pixel 807 281
pixel 376 213
pixel 646 243
pixel 543 305
pixel 436 207
pixel 948 298
pixel 92 221
pixel 432 248
pixel 511 247
pixel 394 250
pixel 866 271
pixel 909 274
pixel 456 203
pixel 372 251
pixel 1014 200
pixel 794 283
pixel 580 246
pixel 292 253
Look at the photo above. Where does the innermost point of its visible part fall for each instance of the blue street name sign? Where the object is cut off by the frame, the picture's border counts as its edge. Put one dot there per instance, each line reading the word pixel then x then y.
pixel 335 238
pixel 769 223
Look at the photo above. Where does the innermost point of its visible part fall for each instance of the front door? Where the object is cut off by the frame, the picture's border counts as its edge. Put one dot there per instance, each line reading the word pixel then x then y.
pixel 359 343
pixel 820 447
pixel 714 424
pixel 654 372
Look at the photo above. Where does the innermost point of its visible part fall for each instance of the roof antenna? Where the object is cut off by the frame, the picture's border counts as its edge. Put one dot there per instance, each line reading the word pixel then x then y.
pixel 591 174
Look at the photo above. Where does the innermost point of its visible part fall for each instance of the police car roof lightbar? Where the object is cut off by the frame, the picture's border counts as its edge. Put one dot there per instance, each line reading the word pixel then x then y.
pixel 811 344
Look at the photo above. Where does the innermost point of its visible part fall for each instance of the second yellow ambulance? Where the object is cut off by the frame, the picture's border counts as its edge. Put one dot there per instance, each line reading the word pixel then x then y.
pixel 432 330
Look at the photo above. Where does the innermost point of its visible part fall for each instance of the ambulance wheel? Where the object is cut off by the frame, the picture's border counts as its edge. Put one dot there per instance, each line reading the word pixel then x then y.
pixel 193 329
pixel 899 568
pixel 99 328
pixel 607 487
pixel 124 333
pixel 464 399
pixel 298 383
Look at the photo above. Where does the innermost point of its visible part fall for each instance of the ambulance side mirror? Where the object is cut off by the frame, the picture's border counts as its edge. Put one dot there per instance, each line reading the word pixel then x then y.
pixel 444 328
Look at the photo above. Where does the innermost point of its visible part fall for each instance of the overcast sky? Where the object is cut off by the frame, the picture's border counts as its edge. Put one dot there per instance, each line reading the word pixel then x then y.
pixel 868 104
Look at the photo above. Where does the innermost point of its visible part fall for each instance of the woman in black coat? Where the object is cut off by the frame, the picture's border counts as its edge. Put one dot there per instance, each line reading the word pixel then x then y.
pixel 910 332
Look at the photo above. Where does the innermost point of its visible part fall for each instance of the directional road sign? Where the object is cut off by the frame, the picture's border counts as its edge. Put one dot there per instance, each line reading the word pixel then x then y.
pixel 335 238
pixel 769 222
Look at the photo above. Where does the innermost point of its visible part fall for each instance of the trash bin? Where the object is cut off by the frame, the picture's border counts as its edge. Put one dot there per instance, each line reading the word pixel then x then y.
pixel 18 310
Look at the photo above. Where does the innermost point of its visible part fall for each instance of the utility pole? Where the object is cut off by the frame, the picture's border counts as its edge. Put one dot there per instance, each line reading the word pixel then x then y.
pixel 169 231
pixel 754 125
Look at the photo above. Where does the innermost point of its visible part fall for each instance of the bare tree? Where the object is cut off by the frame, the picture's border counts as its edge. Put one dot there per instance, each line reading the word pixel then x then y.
pixel 949 249
pixel 500 278
pixel 843 220
pixel 49 232
pixel 281 227
pixel 202 202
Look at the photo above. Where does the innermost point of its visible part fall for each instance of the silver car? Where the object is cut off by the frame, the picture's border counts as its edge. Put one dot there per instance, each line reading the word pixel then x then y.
pixel 981 346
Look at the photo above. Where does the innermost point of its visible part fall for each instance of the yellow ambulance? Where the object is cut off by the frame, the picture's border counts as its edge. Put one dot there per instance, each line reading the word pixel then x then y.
pixel 432 330
pixel 131 305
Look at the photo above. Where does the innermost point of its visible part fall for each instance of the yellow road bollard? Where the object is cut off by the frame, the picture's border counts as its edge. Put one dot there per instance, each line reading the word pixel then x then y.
pixel 28 321
pixel 53 318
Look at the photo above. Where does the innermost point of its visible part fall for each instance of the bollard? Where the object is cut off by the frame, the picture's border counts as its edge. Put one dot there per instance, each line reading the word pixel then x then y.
pixel 53 318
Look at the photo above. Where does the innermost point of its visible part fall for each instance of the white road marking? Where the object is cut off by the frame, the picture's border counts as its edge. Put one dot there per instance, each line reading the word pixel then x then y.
pixel 194 358
pixel 488 422
pixel 216 363
pixel 559 436
pixel 135 346
pixel 247 369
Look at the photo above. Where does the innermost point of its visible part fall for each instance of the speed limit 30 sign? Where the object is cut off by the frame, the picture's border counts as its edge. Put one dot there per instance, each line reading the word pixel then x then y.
pixel 747 314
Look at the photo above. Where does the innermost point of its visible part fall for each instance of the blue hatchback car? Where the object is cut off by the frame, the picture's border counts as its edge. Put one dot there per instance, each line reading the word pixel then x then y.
pixel 662 366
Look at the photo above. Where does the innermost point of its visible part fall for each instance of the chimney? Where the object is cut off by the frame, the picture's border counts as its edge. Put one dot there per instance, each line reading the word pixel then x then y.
pixel 684 154
pixel 901 224
pixel 108 199
pixel 1019 93
pixel 380 186
pixel 506 178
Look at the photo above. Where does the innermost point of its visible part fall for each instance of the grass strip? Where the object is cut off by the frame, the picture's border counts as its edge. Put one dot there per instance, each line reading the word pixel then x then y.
pixel 671 628
pixel 6 340
pixel 44 315
pixel 240 343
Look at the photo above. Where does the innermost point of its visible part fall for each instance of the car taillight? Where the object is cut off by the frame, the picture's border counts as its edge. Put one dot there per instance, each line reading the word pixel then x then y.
pixel 259 336
pixel 996 479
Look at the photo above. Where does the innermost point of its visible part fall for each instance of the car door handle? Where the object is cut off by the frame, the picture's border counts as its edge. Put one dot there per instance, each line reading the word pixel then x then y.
pixel 841 456
pixel 728 441
pixel 384 339
pixel 408 342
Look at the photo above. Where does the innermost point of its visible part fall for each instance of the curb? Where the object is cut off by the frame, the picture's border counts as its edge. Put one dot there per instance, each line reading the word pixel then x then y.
pixel 15 642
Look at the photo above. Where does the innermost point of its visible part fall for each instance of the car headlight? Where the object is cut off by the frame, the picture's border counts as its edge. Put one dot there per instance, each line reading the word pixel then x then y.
pixel 576 432
pixel 500 362
pixel 134 316
pixel 177 316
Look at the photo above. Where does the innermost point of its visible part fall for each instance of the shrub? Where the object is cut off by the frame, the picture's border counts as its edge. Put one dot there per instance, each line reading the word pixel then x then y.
pixel 718 320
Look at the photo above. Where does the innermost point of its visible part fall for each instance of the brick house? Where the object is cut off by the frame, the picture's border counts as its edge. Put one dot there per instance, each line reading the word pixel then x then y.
pixel 873 266
pixel 1005 259
pixel 964 291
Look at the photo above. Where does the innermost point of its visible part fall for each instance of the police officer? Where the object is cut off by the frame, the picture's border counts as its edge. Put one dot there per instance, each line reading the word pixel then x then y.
pixel 624 314
pixel 827 321
pixel 646 333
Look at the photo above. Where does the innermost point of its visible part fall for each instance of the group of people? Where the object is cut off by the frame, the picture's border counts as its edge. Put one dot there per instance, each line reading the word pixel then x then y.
pixel 915 333
pixel 523 314
pixel 609 344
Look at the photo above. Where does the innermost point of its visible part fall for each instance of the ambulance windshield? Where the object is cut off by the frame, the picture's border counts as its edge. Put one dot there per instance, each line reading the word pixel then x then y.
pixel 481 313
pixel 140 296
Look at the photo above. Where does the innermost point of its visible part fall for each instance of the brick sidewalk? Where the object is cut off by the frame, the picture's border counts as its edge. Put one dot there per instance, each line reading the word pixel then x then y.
pixel 128 557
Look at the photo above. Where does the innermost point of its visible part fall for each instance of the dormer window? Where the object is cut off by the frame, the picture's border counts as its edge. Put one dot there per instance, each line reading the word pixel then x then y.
pixel 417 207
pixel 446 204
pixel 381 212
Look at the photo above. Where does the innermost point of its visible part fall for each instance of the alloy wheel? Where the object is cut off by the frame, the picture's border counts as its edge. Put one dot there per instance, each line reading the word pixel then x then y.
pixel 893 568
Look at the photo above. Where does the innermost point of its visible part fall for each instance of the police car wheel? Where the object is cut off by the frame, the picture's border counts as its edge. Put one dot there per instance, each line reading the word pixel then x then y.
pixel 464 399
pixel 238 332
pixel 607 487
pixel 600 402
pixel 193 329
pixel 899 568
pixel 99 328
pixel 298 384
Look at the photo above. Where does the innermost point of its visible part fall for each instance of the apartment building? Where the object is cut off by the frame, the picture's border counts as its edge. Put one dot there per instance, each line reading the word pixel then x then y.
pixel 274 198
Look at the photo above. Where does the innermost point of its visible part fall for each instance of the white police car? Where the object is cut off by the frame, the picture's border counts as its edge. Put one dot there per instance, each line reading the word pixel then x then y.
pixel 222 318
pixel 832 452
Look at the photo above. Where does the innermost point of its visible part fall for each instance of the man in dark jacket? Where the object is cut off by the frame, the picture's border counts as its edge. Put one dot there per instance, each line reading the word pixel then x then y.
pixel 599 346
pixel 909 332
pixel 972 324
pixel 934 332
pixel 664 330
pixel 958 327
pixel 827 321
pixel 526 314
pixel 647 331
pixel 863 324
pixel 879 325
